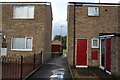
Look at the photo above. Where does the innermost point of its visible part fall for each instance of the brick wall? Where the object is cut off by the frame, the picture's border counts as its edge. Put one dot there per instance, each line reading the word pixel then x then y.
pixel 90 27
pixel 35 28
pixel 48 32
pixel 70 19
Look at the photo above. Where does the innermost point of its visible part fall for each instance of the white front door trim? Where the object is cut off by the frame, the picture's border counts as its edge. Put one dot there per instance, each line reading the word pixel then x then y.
pixel 108 72
pixel 82 66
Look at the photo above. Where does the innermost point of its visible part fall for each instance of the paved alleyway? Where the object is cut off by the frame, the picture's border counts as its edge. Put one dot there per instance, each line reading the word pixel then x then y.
pixel 58 63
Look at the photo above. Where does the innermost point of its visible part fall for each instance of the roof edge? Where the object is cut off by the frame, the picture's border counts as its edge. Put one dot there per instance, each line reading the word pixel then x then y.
pixel 81 3
pixel 44 3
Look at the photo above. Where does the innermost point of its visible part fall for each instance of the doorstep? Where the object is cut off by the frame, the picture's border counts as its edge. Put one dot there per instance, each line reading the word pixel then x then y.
pixel 89 74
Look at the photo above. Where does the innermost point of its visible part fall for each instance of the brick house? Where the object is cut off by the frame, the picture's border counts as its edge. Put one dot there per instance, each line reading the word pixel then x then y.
pixel 86 23
pixel 27 28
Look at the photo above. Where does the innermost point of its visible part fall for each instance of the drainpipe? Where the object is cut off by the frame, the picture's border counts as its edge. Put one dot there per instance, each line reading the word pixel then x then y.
pixel 74 38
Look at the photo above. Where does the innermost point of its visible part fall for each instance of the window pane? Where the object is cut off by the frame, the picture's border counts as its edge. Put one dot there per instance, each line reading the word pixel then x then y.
pixel 18 43
pixel 93 11
pixel 23 12
pixel 29 43
pixel 20 12
pixel 31 12
pixel 90 11
pixel 96 11
pixel 95 43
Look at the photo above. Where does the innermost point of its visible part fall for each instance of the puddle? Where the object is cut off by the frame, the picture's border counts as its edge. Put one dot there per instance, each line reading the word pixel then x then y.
pixel 58 74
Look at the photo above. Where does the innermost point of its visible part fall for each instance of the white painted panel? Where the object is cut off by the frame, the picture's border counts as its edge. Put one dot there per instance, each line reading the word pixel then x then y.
pixel 3 51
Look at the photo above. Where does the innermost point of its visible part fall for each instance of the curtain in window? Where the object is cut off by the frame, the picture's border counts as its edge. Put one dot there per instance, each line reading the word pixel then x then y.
pixel 90 11
pixel 18 43
pixel 96 10
pixel 93 11
pixel 31 11
pixel 24 12
pixel 29 43
pixel 20 11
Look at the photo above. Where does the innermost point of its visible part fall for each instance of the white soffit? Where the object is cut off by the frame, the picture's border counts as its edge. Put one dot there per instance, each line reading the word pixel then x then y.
pixel 106 36
pixel 32 3
pixel 99 5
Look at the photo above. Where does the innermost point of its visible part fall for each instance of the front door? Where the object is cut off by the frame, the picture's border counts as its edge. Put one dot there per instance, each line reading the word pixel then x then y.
pixel 81 52
pixel 108 54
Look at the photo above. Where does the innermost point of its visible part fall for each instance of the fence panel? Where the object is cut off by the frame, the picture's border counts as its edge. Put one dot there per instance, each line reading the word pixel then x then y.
pixel 20 67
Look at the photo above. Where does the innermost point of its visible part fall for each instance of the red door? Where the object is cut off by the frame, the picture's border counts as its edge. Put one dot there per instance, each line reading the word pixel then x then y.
pixel 81 52
pixel 108 54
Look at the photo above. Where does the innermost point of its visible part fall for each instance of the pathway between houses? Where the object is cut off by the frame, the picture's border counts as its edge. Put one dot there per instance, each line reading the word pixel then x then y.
pixel 57 66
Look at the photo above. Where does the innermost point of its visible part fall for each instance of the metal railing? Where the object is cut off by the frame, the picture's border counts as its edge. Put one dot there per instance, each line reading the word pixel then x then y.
pixel 19 67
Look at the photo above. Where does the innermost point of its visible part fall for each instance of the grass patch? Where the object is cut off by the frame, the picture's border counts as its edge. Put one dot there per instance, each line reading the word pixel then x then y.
pixel 64 51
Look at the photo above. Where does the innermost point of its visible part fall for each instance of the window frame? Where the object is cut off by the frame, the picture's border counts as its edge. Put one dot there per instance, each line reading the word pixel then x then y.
pixel 97 43
pixel 23 17
pixel 25 44
pixel 94 14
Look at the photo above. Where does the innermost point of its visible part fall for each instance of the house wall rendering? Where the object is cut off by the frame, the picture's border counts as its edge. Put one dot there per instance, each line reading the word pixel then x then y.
pixel 115 62
pixel 35 28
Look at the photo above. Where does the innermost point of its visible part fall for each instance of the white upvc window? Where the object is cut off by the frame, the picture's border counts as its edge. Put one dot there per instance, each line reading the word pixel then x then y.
pixel 93 11
pixel 23 12
pixel 22 43
pixel 95 43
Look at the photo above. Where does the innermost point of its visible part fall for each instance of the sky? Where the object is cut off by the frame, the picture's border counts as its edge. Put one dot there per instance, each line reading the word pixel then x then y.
pixel 59 9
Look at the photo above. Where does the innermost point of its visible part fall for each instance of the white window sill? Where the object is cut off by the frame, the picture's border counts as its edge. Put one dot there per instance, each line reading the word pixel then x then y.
pixel 21 49
pixel 95 47
pixel 93 15
pixel 22 18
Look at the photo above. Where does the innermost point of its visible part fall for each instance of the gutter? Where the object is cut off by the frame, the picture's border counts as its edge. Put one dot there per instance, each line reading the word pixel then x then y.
pixel 93 3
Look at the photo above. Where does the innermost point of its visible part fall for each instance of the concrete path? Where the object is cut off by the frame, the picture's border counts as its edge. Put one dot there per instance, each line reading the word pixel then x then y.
pixel 57 66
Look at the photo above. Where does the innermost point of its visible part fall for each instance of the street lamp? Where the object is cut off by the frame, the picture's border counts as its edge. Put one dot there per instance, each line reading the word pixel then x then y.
pixel 61 41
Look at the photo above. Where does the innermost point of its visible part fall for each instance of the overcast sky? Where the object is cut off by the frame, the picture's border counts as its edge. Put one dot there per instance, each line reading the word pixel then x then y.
pixel 59 9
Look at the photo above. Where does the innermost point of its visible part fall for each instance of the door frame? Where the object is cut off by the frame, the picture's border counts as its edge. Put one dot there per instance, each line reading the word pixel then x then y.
pixel 79 66
pixel 101 67
pixel 104 37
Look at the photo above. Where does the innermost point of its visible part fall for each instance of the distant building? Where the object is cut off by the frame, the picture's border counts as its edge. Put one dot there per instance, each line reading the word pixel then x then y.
pixel 57 48
pixel 27 27
pixel 93 36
